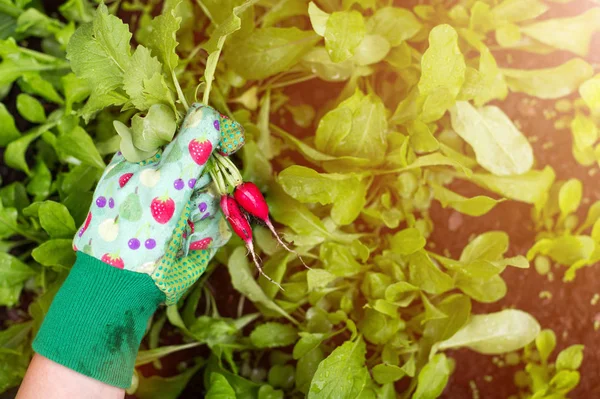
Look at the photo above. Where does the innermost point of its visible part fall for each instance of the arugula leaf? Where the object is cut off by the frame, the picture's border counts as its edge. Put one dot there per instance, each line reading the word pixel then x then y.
pixel 8 129
pixel 56 220
pixel 144 82
pixel 356 127
pixel 549 83
pixel 475 206
pixel 343 33
pixel 346 192
pixel 433 378
pixel 30 108
pixel 268 51
pixel 577 32
pixel 342 373
pixel 13 273
pixel 395 24
pixel 99 53
pixel 273 335
pixel 442 72
pixel 493 333
pixel 499 146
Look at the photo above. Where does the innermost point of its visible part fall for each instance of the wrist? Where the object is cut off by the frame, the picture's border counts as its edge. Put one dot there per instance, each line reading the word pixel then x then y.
pixel 98 319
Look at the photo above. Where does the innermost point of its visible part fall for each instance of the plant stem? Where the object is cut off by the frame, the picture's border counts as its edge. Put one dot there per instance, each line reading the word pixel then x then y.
pixel 179 91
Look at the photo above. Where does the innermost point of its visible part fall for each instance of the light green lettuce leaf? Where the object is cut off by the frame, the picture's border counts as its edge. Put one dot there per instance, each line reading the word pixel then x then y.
pixel 499 146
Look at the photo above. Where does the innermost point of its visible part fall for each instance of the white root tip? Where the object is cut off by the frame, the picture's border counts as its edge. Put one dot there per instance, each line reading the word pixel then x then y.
pixel 283 244
pixel 259 267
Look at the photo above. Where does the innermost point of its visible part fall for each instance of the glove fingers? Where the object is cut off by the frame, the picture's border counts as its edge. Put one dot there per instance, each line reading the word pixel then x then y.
pixel 207 228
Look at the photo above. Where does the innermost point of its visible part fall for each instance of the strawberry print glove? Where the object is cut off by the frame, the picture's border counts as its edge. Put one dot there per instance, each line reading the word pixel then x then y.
pixel 152 229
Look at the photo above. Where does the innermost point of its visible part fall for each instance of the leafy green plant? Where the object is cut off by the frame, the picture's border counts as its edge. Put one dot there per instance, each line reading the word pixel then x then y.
pixel 402 116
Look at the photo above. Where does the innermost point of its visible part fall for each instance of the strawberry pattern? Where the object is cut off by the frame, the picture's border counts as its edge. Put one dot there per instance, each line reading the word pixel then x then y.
pixel 160 213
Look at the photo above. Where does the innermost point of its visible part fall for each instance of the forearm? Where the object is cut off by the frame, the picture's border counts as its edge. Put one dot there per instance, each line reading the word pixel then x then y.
pixel 47 379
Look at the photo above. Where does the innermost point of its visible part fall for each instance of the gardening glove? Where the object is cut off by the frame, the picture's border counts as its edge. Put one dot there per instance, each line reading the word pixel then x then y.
pixel 152 229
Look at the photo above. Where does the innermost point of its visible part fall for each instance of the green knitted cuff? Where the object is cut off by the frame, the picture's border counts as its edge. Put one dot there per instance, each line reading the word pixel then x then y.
pixel 97 320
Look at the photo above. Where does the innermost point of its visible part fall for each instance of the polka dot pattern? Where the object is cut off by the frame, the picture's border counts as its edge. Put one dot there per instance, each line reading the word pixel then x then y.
pixel 174 274
pixel 232 136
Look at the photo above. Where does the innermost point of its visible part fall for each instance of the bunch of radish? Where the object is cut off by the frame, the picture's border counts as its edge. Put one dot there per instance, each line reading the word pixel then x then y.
pixel 246 199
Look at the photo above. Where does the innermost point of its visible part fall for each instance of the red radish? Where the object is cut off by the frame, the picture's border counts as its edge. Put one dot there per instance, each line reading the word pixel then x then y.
pixel 162 209
pixel 124 179
pixel 249 197
pixel 241 227
pixel 200 151
pixel 88 220
pixel 200 244
pixel 113 260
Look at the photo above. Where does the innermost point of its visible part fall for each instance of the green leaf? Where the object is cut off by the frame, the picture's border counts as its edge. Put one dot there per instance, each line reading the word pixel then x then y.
pixel 425 275
pixel 569 196
pixel 565 380
pixel 371 50
pixel 14 155
pixel 339 259
pixel 13 273
pixel 343 33
pixel 485 290
pixel 347 193
pixel 39 185
pixel 148 356
pixel 499 146
pixel 33 83
pixel 154 130
pixel 457 308
pixel 318 18
pixel 495 333
pixel 570 358
pixel 319 278
pixel 590 92
pixel 219 388
pixel 407 241
pixel 576 32
pixel 531 187
pixel 545 342
pixel 57 252
pixel 80 145
pixel 56 220
pixel 157 387
pixel 565 250
pixel 76 90
pixel 395 24
pixel 244 282
pixel 144 82
pixel 130 152
pixel 30 108
pixel 268 51
pixel 442 72
pixel 475 206
pixel 307 343
pixel 357 127
pixel 518 10
pixel 273 335
pixel 433 378
pixel 549 83
pixel 8 129
pixel 342 373
pixel 487 246
pixel 99 52
pixel 387 373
